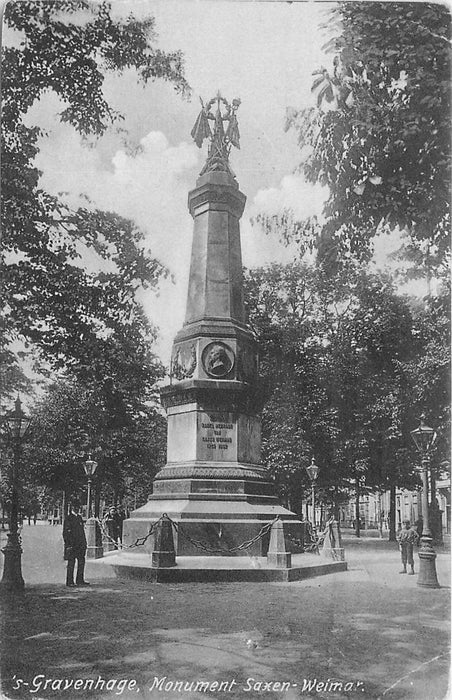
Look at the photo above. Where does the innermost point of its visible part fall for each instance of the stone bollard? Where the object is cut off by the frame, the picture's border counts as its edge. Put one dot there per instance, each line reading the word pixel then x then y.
pixel 94 548
pixel 164 554
pixel 277 555
pixel 108 544
pixel 108 540
pixel 332 545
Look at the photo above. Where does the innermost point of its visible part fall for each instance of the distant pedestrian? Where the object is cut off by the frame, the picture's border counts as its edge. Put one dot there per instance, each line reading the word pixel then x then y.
pixel 120 522
pixel 407 537
pixel 111 526
pixel 74 546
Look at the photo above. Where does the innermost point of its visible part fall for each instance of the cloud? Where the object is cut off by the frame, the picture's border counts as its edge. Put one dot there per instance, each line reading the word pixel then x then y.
pixel 260 249
pixel 293 193
pixel 149 187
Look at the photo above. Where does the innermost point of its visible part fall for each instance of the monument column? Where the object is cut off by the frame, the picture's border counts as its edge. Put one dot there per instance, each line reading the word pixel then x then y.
pixel 214 484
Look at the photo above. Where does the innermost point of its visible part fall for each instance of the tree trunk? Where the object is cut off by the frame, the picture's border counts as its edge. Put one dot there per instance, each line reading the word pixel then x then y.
pixel 392 514
pixel 64 506
pixel 380 519
pixel 336 512
pixel 357 519
pixel 97 494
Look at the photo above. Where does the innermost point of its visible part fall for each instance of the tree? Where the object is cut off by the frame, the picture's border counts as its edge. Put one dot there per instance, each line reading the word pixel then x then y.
pixel 73 421
pixel 49 298
pixel 379 136
pixel 332 356
pixel 427 374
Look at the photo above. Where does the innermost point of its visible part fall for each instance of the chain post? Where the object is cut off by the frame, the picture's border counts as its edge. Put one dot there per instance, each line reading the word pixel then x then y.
pixel 164 554
pixel 277 555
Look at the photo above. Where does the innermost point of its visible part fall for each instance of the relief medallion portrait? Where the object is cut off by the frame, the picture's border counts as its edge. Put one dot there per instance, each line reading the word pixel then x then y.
pixel 218 359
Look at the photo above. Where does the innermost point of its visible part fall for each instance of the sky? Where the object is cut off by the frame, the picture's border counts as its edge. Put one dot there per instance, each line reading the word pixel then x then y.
pixel 262 52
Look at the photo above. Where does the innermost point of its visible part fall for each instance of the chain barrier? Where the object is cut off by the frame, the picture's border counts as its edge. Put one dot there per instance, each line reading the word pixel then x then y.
pixel 225 550
pixel 140 541
pixel 105 534
pixel 312 546
pixel 295 541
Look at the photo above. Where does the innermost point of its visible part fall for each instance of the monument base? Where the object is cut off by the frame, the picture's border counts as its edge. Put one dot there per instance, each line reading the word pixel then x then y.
pixel 211 527
pixel 218 569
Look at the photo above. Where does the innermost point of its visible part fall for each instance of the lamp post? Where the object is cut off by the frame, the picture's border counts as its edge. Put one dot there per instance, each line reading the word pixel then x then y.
pixel 16 425
pixel 90 467
pixel 313 471
pixel 93 534
pixel 423 438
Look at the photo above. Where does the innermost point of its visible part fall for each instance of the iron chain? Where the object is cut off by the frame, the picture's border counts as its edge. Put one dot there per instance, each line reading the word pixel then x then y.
pixel 225 550
pixel 140 541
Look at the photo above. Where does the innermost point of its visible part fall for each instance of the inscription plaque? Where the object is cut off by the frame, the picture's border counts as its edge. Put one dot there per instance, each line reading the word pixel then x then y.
pixel 217 435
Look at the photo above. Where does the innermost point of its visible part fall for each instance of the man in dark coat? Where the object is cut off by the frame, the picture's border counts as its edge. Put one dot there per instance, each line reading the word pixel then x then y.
pixel 74 546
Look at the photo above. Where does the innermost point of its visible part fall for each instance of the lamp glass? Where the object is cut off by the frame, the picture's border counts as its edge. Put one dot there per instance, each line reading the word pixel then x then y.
pixel 90 467
pixel 312 471
pixel 17 423
pixel 423 437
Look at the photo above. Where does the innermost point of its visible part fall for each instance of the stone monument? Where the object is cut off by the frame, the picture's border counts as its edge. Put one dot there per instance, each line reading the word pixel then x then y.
pixel 214 485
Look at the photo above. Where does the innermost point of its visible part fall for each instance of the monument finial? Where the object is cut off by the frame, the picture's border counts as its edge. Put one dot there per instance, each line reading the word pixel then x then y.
pixel 220 140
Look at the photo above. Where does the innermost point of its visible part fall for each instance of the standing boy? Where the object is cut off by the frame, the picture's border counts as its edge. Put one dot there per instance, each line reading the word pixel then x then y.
pixel 407 538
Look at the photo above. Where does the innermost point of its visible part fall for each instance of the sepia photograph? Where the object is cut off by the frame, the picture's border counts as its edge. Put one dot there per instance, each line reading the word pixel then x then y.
pixel 225 350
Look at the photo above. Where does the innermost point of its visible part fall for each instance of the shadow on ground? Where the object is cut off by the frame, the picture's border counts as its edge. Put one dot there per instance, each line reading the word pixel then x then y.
pixel 383 642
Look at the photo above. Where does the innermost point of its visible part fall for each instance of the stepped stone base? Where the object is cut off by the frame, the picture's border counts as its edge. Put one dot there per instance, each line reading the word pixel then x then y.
pixel 211 569
pixel 206 526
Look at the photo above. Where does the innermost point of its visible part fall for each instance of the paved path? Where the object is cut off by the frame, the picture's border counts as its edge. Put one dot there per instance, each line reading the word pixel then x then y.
pixel 370 629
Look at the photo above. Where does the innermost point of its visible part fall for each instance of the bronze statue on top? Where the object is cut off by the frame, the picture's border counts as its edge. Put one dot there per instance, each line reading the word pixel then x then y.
pixel 220 140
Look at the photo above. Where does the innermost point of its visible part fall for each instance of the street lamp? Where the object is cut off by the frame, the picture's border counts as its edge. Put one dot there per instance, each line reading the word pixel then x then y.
pixel 90 467
pixel 16 425
pixel 93 534
pixel 313 471
pixel 423 438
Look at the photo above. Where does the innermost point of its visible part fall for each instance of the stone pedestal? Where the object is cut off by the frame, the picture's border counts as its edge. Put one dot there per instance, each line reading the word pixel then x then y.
pixel 427 577
pixel 94 548
pixel 332 545
pixel 164 554
pixel 277 555
pixel 213 485
pixel 12 579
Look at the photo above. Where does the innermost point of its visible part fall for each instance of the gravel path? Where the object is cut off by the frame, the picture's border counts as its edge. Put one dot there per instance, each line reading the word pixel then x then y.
pixel 365 633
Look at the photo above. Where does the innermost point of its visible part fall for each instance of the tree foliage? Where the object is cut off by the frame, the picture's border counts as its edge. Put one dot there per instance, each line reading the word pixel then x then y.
pixel 74 421
pixel 379 134
pixel 79 319
pixel 339 359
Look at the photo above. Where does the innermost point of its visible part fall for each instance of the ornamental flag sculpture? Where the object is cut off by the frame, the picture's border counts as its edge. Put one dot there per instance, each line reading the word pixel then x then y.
pixel 220 140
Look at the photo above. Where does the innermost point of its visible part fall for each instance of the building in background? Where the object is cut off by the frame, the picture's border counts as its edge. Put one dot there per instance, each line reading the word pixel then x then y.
pixel 374 508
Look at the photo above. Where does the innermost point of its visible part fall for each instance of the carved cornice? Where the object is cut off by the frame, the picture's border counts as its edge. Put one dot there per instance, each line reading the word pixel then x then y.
pixel 244 399
pixel 213 472
pixel 216 329
pixel 221 196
